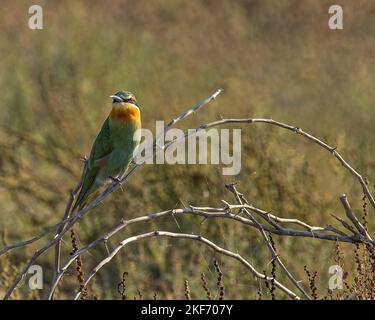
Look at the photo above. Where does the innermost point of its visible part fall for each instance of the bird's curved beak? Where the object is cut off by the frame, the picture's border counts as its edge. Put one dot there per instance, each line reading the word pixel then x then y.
pixel 116 98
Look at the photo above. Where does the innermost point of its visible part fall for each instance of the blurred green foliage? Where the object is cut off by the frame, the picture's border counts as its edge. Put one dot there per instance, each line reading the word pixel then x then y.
pixel 274 59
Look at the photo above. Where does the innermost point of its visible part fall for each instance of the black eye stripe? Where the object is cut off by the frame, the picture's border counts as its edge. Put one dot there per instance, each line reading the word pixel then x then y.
pixel 126 100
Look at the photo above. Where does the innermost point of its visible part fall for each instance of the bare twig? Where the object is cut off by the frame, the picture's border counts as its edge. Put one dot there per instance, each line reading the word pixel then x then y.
pixel 67 212
pixel 20 244
pixel 275 256
pixel 346 225
pixel 350 214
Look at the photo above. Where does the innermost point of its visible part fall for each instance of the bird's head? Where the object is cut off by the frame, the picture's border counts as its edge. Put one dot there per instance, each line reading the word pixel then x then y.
pixel 122 97
pixel 125 108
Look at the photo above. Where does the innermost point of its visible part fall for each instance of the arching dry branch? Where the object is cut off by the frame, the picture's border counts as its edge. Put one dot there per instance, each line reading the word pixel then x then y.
pixel 199 238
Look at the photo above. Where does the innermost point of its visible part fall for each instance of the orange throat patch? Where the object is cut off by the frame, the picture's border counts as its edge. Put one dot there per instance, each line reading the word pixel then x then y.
pixel 126 112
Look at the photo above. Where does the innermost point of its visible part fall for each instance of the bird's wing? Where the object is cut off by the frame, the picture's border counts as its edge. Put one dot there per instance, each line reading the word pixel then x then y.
pixel 102 146
pixel 100 152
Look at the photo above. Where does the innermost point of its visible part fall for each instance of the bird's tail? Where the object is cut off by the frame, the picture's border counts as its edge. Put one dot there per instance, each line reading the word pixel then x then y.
pixel 85 196
pixel 87 188
pixel 79 202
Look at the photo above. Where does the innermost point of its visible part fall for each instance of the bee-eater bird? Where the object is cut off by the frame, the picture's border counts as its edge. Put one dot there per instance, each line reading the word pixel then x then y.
pixel 113 148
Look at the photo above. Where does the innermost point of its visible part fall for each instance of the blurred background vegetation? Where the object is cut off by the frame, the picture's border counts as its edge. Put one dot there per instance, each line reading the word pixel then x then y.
pixel 274 59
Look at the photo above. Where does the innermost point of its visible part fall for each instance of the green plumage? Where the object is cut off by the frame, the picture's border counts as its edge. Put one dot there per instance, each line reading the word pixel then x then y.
pixel 111 153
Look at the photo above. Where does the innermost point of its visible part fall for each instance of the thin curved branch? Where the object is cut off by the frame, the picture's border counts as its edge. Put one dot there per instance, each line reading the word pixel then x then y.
pixel 44 233
pixel 199 238
pixel 332 150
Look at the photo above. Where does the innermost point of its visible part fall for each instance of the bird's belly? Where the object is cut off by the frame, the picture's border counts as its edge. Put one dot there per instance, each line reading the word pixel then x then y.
pixel 121 159
pixel 118 161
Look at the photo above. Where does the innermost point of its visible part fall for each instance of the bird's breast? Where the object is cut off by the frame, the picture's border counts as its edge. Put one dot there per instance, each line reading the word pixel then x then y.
pixel 126 113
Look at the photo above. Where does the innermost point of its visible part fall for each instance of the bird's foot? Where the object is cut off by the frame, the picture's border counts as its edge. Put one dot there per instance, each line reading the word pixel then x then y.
pixel 117 180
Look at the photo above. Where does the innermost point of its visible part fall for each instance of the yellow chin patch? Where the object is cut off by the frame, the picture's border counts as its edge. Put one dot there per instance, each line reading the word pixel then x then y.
pixel 125 112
